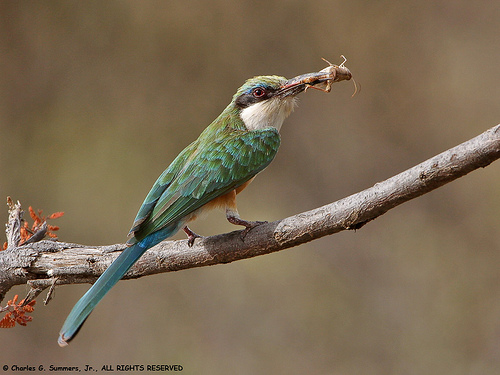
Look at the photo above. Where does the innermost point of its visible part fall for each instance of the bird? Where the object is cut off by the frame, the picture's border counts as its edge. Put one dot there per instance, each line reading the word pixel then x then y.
pixel 209 173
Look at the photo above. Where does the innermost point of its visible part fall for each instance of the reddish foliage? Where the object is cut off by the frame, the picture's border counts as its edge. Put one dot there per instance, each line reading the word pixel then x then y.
pixel 16 313
pixel 55 215
pixel 38 220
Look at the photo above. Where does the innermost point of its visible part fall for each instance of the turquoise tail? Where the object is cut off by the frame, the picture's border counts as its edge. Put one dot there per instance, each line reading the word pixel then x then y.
pixel 107 280
pixel 104 283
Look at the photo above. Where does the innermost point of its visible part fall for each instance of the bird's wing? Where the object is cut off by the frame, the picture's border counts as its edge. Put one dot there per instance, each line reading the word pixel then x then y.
pixel 205 173
pixel 159 187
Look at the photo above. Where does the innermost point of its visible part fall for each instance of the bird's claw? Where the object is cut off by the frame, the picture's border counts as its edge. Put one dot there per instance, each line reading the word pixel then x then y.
pixel 249 226
pixel 191 236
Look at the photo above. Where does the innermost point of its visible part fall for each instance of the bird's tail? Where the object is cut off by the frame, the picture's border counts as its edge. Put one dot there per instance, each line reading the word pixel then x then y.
pixel 108 279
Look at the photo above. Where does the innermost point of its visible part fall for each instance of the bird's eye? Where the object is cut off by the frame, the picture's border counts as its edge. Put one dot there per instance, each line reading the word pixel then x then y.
pixel 258 92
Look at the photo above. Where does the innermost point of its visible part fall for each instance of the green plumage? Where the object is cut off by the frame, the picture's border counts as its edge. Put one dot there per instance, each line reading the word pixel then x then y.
pixel 225 156
pixel 228 153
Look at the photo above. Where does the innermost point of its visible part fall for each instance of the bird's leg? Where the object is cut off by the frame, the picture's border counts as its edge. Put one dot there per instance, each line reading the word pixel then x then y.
pixel 191 235
pixel 247 224
pixel 234 218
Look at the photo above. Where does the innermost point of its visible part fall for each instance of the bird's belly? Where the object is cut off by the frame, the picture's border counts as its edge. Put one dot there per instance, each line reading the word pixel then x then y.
pixel 239 189
pixel 223 201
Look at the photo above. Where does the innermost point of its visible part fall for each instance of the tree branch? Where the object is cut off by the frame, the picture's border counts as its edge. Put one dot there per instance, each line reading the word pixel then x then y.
pixel 47 263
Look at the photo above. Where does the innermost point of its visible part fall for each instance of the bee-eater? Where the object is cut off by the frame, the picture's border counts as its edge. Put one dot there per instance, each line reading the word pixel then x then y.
pixel 209 173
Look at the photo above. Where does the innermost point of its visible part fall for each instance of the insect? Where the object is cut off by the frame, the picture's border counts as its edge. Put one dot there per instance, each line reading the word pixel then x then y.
pixel 329 75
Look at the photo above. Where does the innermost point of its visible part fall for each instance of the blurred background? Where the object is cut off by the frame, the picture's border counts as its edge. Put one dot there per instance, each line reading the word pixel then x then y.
pixel 97 98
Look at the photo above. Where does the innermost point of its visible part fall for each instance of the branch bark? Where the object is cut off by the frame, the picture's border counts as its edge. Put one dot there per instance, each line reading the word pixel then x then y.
pixel 47 263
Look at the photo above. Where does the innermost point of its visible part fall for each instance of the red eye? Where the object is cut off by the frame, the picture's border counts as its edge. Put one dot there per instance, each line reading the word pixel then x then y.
pixel 259 92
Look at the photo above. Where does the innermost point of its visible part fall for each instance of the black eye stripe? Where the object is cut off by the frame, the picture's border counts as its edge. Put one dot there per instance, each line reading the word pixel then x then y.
pixel 251 97
pixel 245 100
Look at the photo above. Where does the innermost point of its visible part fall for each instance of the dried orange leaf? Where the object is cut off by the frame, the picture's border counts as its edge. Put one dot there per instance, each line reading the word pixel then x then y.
pixel 7 321
pixel 16 313
pixel 23 319
pixel 33 214
pixel 29 307
pixel 55 215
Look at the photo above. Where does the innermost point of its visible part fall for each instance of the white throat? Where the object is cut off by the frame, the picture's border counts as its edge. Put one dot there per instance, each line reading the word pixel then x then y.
pixel 267 114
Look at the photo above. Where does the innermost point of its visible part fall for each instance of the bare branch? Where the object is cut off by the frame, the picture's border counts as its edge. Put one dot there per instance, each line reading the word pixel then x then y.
pixel 47 263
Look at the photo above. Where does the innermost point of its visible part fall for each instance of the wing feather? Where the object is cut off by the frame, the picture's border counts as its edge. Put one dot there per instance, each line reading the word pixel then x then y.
pixel 160 186
pixel 203 172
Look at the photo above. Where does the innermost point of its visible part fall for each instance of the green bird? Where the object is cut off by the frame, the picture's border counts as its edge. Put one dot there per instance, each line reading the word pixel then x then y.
pixel 209 173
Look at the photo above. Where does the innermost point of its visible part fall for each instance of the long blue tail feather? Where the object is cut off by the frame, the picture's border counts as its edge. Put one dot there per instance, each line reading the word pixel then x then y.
pixel 108 279
pixel 104 283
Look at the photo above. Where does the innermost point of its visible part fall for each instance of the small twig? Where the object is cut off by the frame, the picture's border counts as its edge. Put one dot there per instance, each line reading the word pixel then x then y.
pixel 38 286
pixel 35 290
pixel 50 293
pixel 38 235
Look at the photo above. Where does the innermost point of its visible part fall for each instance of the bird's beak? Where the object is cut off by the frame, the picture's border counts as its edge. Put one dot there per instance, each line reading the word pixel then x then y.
pixel 321 80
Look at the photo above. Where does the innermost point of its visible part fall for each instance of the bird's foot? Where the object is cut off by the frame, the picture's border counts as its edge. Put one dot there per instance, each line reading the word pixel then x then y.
pixel 191 235
pixel 249 225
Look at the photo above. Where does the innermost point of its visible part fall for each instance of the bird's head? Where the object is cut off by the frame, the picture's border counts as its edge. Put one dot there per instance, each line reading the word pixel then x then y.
pixel 266 101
